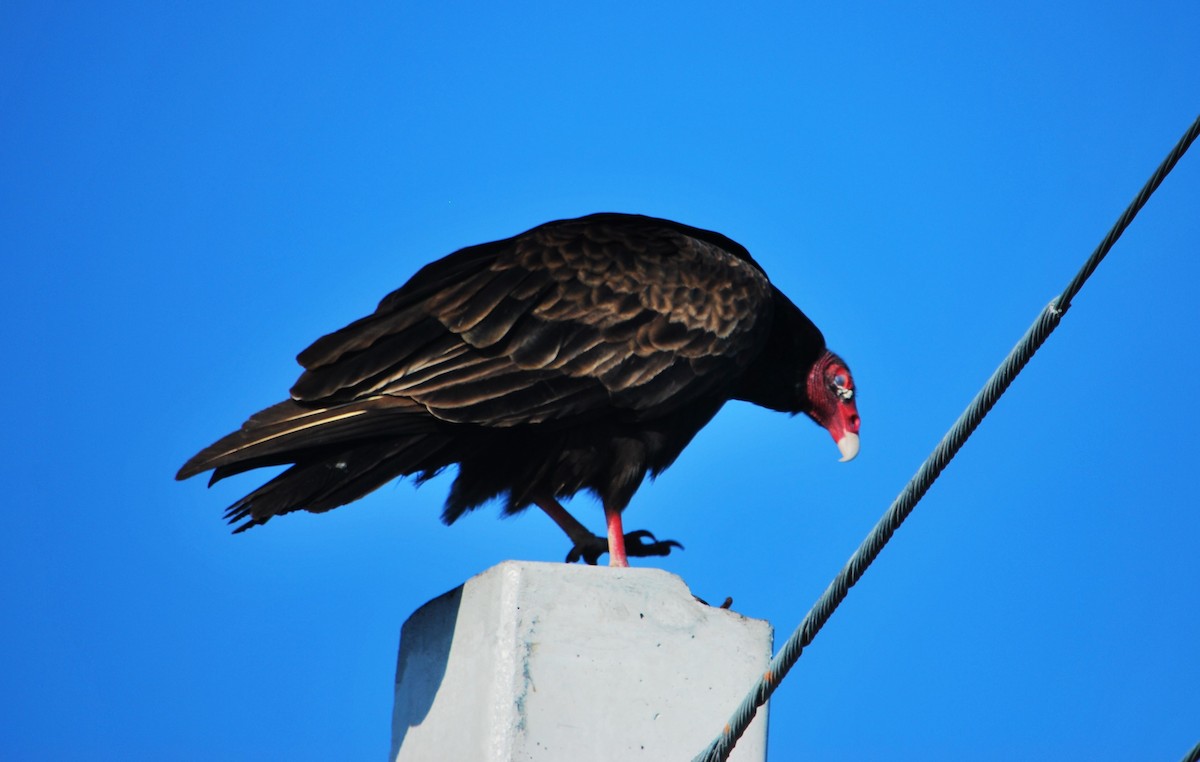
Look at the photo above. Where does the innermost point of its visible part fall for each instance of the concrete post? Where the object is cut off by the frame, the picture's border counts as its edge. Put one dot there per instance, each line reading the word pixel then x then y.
pixel 553 662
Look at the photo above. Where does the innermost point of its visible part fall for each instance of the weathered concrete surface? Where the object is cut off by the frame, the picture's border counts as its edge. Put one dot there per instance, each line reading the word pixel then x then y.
pixel 540 661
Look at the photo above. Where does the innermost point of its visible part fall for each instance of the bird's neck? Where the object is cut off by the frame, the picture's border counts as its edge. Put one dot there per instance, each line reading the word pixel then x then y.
pixel 775 379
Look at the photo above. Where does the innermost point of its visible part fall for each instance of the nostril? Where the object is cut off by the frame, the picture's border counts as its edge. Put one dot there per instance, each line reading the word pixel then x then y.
pixel 854 423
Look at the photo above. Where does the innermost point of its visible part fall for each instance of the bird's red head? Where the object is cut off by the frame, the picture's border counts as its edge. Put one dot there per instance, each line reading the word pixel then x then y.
pixel 832 395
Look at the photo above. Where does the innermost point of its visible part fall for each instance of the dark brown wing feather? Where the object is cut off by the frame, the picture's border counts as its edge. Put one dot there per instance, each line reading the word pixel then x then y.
pixel 568 320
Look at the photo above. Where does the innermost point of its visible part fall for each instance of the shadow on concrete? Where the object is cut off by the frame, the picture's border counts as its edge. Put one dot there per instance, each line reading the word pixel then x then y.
pixel 425 643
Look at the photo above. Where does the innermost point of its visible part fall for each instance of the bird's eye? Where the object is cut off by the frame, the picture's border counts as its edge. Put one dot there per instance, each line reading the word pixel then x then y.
pixel 841 388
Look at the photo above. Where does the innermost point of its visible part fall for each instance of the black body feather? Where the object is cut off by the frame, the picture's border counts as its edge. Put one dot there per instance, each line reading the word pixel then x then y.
pixel 580 355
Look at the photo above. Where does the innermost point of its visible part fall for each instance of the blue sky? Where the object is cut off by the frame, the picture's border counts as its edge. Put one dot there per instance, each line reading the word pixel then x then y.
pixel 189 196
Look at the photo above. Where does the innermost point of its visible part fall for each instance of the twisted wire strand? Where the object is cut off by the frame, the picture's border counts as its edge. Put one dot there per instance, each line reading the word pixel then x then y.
pixel 1035 336
pixel 1193 755
pixel 1131 211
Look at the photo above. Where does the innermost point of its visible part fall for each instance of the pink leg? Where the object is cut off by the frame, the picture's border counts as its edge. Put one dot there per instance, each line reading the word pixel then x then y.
pixel 616 538
pixel 566 522
pixel 589 547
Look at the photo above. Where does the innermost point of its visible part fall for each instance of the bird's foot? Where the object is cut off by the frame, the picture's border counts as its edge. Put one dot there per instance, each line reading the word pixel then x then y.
pixel 638 544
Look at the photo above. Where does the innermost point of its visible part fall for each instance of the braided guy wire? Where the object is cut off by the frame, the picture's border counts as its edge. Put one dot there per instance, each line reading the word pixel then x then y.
pixel 818 615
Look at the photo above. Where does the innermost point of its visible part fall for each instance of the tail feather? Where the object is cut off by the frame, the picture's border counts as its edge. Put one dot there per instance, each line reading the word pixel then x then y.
pixel 332 480
pixel 282 433
pixel 336 454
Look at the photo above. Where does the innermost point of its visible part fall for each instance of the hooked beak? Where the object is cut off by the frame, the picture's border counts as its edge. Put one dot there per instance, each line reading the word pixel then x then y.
pixel 848 446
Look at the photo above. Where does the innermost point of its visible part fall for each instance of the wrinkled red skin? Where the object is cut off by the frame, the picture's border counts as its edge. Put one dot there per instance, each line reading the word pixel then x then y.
pixel 832 393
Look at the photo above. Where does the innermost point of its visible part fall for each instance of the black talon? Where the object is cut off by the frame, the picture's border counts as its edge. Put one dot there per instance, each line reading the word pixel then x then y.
pixel 591 548
pixel 634 545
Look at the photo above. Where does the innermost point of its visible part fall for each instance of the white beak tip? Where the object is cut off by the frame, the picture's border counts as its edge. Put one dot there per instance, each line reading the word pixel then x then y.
pixel 848 447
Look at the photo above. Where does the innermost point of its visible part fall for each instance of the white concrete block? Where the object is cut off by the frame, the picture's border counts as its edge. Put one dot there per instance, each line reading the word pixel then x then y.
pixel 551 662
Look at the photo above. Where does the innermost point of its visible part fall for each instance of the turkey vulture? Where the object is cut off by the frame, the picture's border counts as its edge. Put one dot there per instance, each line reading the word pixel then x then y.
pixel 579 355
